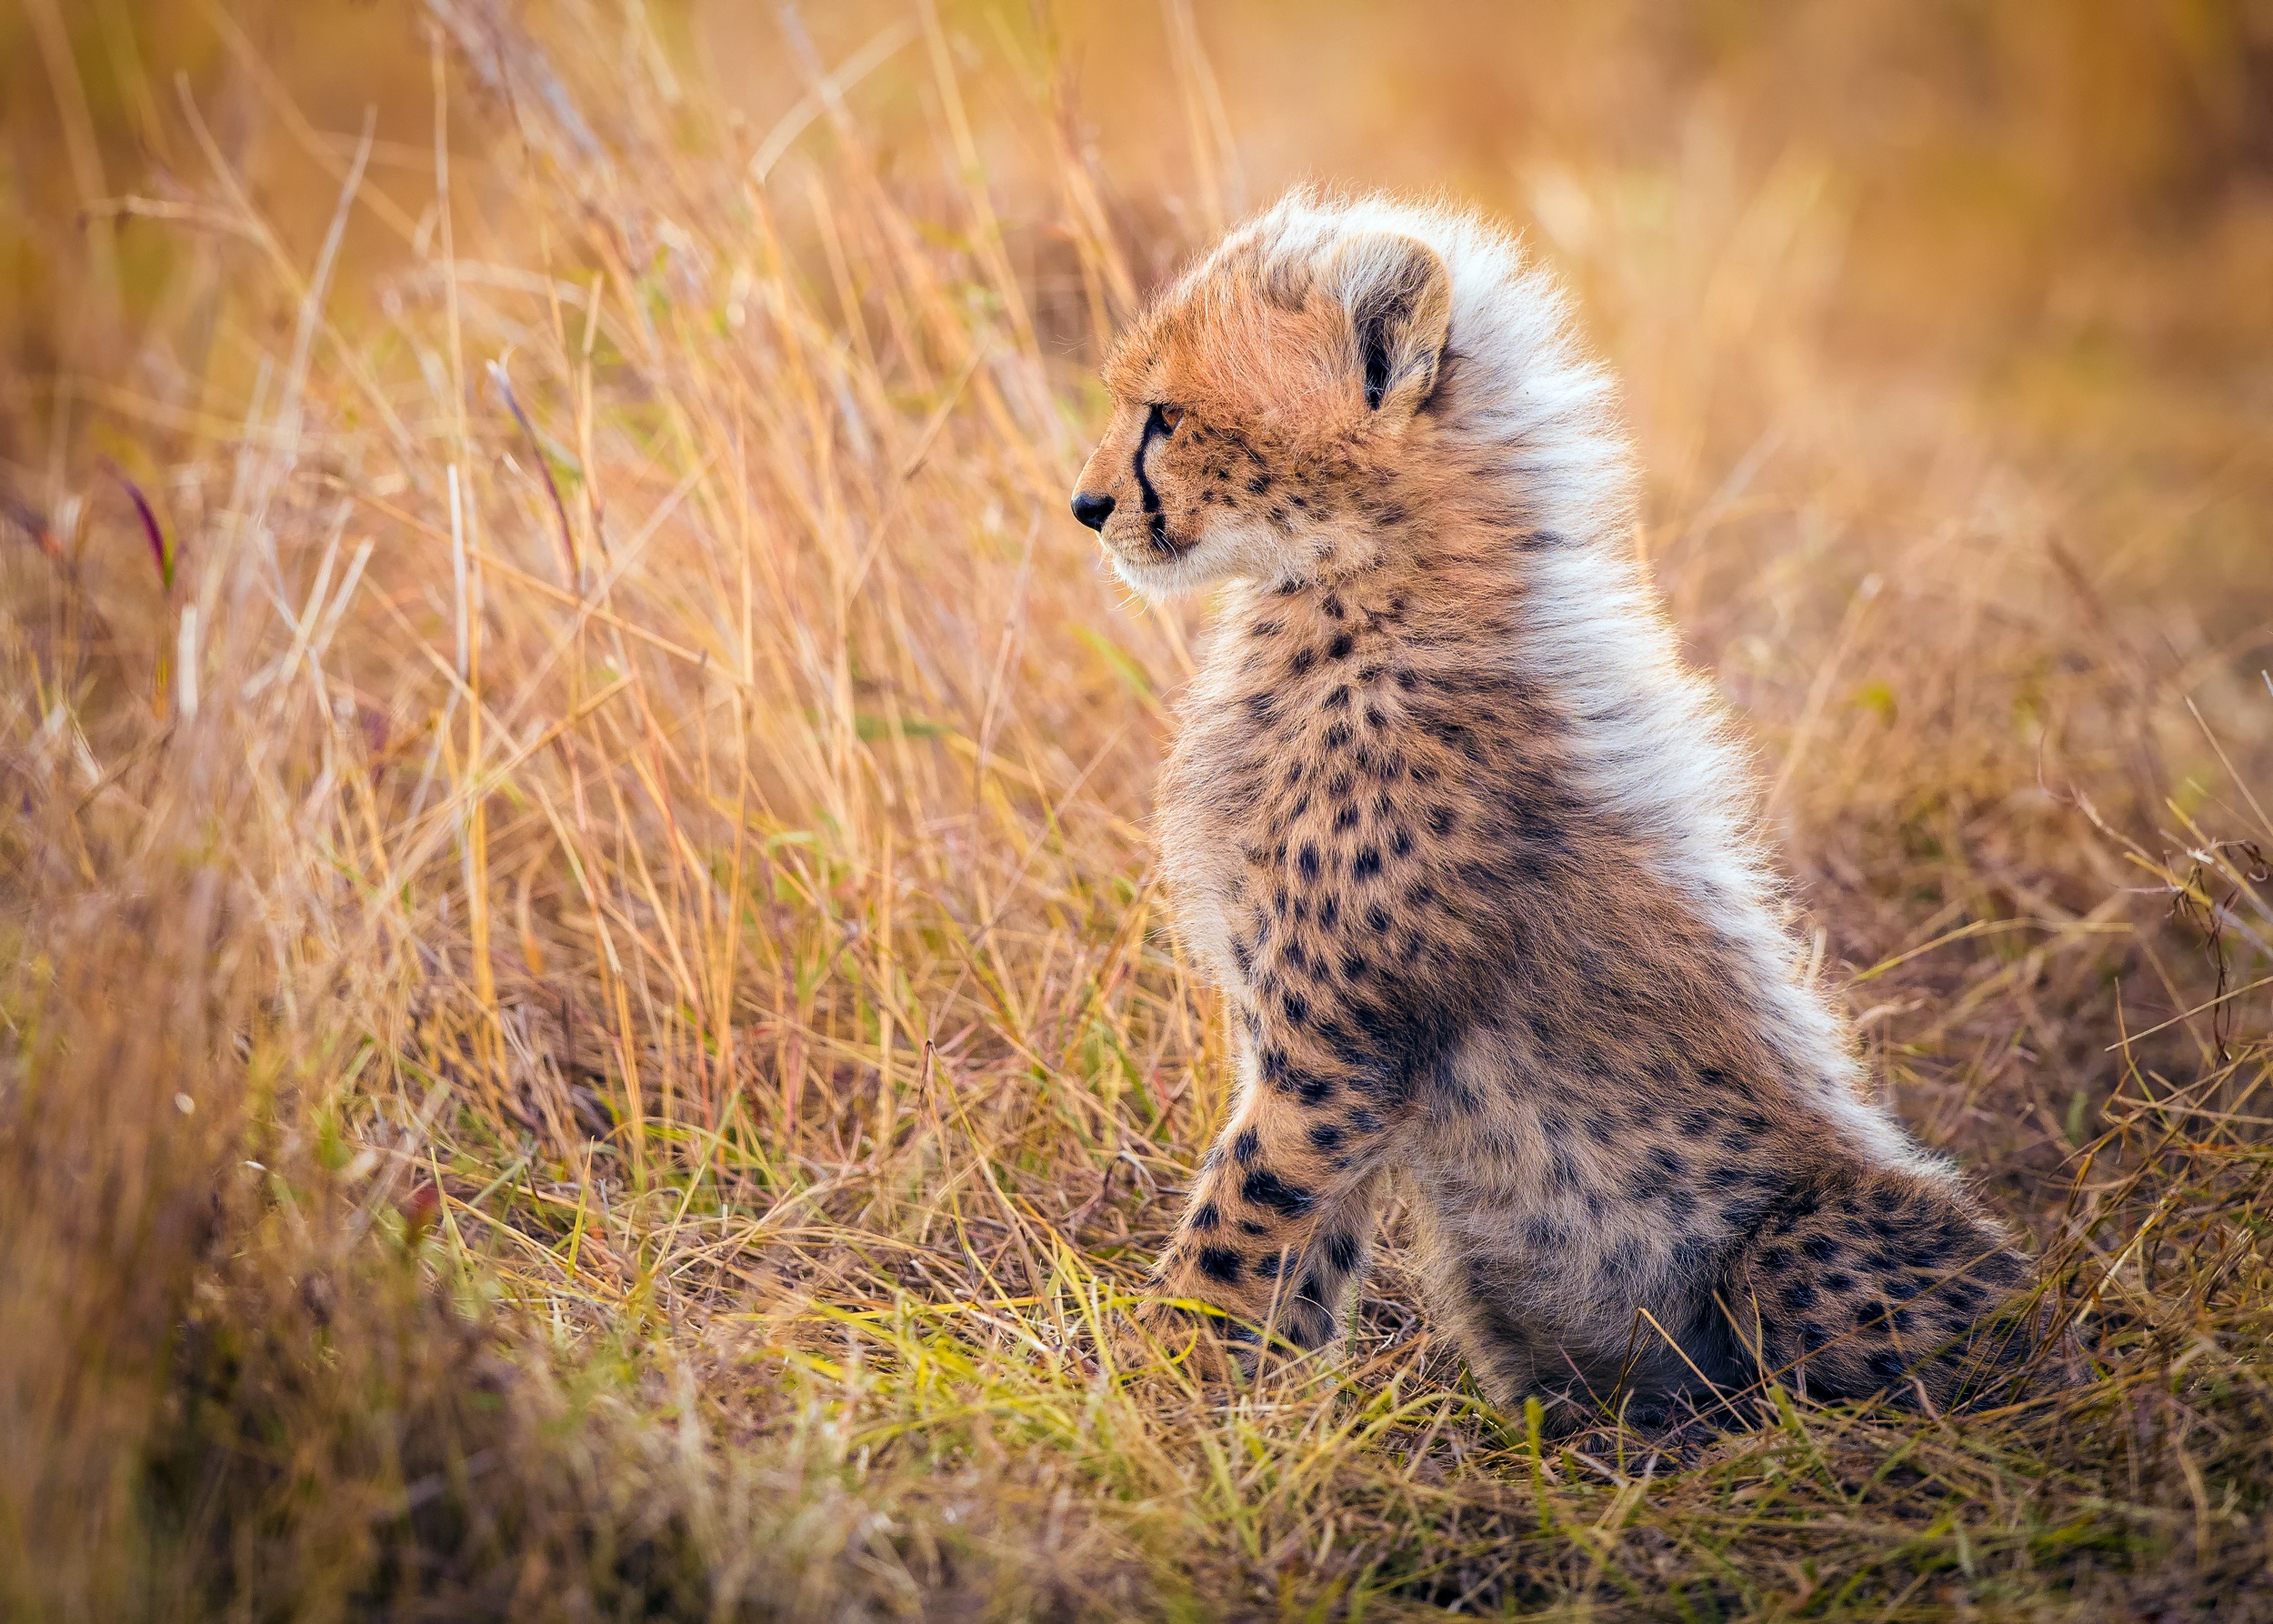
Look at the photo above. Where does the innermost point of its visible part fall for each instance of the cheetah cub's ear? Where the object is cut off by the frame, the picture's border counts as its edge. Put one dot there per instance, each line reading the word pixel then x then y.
pixel 1398 296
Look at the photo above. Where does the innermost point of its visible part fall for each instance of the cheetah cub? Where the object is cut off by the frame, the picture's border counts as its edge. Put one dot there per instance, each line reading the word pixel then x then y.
pixel 1471 855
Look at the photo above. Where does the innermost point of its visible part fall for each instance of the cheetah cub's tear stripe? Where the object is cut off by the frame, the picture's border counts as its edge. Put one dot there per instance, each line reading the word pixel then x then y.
pixel 1475 860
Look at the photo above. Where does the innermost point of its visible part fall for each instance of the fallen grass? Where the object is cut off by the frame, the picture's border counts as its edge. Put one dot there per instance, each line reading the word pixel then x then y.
pixel 587 1028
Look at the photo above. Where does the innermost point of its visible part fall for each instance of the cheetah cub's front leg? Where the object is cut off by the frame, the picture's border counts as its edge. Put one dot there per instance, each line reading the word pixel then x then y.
pixel 1274 1233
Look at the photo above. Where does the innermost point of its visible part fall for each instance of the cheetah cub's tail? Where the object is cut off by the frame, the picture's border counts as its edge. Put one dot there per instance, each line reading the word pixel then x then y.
pixel 1884 1281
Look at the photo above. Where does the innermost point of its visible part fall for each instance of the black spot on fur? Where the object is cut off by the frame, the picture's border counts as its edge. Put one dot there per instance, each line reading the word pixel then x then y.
pixel 1220 1264
pixel 1247 1147
pixel 1206 1216
pixel 1266 1189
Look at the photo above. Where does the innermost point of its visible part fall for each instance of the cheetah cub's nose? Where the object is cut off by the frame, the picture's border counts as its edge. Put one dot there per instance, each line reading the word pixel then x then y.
pixel 1092 510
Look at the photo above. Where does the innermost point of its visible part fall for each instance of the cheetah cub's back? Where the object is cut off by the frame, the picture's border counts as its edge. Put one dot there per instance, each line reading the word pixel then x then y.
pixel 1471 855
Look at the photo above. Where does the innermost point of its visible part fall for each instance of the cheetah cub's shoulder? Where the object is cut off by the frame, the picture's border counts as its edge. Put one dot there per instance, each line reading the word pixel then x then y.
pixel 1471 855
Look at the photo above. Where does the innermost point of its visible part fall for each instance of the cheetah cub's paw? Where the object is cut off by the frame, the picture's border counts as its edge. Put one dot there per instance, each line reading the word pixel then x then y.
pixel 1158 1335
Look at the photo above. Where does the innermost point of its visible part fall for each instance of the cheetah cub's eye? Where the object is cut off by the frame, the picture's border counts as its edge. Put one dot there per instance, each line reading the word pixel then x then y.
pixel 1168 418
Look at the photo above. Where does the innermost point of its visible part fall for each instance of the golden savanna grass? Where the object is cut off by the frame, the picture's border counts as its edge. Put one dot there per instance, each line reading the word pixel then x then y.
pixel 585 1029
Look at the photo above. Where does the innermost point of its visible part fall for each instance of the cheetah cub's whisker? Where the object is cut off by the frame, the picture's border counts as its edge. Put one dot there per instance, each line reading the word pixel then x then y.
pixel 1474 859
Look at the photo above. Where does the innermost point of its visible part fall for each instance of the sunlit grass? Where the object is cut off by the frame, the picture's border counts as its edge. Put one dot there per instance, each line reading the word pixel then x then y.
pixel 587 1027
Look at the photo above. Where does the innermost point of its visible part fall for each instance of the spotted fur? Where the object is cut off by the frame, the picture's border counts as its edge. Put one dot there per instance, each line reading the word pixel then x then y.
pixel 1474 858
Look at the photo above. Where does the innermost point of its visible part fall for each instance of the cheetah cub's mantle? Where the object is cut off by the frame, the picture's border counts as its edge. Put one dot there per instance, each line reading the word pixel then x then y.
pixel 1471 854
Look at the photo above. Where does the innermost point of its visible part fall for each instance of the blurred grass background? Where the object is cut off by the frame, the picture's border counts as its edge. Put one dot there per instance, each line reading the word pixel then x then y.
pixel 585 1028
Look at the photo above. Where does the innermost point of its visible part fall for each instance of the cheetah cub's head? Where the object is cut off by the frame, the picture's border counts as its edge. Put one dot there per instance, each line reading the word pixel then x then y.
pixel 1262 408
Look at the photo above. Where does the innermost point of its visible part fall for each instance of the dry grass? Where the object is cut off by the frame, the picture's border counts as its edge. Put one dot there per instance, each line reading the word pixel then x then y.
pixel 585 1028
